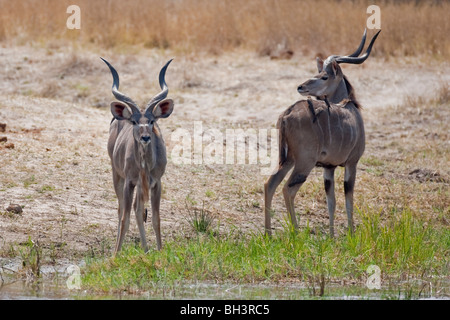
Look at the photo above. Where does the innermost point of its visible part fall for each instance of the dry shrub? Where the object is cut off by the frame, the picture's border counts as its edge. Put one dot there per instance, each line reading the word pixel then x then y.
pixel 51 89
pixel 77 65
pixel 409 27
pixel 443 94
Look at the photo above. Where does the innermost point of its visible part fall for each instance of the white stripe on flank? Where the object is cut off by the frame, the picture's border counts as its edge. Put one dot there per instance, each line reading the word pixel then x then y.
pixel 329 129
pixel 342 132
pixel 351 134
pixel 320 128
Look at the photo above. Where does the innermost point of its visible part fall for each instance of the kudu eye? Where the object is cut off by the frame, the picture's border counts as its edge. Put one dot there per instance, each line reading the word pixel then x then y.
pixel 324 78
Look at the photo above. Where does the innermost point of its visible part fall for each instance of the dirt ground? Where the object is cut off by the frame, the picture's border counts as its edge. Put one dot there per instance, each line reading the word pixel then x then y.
pixel 54 164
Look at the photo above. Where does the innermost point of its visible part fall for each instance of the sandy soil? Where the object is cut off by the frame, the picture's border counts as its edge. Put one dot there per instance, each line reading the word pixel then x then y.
pixel 55 104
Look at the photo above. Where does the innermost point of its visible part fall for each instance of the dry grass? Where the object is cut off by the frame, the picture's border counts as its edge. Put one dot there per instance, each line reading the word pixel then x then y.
pixel 406 161
pixel 409 27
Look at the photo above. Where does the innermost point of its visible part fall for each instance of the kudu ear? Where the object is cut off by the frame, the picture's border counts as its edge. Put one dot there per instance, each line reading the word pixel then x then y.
pixel 163 109
pixel 319 64
pixel 335 67
pixel 120 111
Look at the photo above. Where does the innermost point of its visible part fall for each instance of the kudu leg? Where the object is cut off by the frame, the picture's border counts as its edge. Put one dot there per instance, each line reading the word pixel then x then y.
pixel 295 181
pixel 118 188
pixel 269 190
pixel 349 184
pixel 328 179
pixel 139 211
pixel 156 199
pixel 124 222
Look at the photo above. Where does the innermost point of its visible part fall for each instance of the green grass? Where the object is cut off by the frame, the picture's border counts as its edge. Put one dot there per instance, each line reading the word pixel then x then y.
pixel 404 247
pixel 200 220
pixel 210 194
pixel 372 161
pixel 45 188
pixel 29 181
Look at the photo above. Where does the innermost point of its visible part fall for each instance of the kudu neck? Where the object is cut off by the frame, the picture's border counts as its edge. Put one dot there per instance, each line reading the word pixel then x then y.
pixel 340 93
pixel 144 155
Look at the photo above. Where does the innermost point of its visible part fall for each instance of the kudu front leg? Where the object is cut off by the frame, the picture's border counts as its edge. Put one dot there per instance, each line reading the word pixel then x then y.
pixel 124 222
pixel 119 188
pixel 156 199
pixel 328 179
pixel 349 185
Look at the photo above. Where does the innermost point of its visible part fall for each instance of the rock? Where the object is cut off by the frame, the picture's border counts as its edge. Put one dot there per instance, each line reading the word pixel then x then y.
pixel 3 139
pixel 2 127
pixel 423 175
pixel 14 208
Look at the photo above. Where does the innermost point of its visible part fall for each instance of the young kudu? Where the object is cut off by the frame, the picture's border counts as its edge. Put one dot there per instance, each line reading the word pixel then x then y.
pixel 138 156
pixel 317 133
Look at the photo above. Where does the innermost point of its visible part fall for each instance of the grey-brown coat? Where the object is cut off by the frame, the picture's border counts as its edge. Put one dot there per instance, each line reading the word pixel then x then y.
pixel 317 133
pixel 138 157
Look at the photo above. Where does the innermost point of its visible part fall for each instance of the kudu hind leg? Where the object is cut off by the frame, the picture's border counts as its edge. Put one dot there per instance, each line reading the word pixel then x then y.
pixel 349 185
pixel 118 188
pixel 290 189
pixel 269 190
pixel 328 179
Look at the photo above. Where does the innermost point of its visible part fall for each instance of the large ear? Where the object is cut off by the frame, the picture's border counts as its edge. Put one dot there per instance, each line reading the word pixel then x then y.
pixel 120 111
pixel 335 67
pixel 163 109
pixel 319 64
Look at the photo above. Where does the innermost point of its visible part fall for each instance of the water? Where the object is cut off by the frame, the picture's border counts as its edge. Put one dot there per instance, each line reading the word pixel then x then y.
pixel 21 290
pixel 52 284
pixel 57 289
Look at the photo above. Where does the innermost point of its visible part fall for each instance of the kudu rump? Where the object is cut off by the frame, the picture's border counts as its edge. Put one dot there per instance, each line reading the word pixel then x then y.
pixel 138 156
pixel 317 133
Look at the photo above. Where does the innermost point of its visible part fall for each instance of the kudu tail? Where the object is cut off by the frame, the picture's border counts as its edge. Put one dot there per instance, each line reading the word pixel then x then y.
pixel 282 143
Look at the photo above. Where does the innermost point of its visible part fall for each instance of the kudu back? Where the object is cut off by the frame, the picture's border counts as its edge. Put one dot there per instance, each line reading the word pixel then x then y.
pixel 138 156
pixel 323 134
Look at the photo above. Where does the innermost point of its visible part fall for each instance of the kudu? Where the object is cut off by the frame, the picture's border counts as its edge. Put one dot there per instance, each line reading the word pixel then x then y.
pixel 317 133
pixel 138 156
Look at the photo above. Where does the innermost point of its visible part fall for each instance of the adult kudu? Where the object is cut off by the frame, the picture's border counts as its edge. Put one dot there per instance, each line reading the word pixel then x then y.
pixel 138 156
pixel 317 133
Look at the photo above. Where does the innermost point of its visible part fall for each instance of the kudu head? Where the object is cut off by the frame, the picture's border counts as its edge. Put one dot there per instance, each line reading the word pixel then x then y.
pixel 329 81
pixel 141 119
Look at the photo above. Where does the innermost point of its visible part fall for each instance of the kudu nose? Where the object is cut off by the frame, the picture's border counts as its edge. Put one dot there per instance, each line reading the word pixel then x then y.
pixel 145 139
pixel 300 88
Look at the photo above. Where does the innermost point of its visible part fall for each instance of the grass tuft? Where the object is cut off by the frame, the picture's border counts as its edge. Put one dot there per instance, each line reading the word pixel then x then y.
pixel 200 220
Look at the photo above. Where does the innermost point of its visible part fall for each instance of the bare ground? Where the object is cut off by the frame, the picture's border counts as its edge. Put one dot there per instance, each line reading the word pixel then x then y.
pixel 54 164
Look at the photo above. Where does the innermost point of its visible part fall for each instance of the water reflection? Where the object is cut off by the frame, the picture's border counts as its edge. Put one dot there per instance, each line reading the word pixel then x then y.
pixel 57 289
